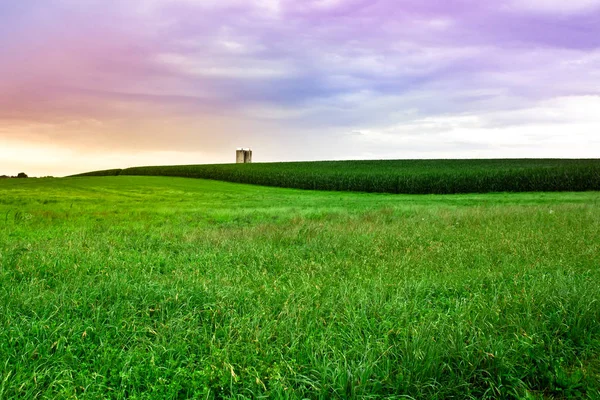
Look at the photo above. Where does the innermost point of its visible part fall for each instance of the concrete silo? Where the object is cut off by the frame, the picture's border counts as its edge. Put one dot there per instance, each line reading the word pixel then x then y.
pixel 243 156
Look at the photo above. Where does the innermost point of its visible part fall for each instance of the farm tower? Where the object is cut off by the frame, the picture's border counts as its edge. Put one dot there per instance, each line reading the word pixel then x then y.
pixel 243 156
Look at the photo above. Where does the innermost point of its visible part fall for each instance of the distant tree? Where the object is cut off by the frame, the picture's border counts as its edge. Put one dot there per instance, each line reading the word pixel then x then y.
pixel 4 176
pixel 22 175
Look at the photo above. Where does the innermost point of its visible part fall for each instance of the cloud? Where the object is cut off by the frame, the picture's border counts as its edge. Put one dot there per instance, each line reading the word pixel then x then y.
pixel 251 69
pixel 540 130
pixel 556 6
pixel 202 76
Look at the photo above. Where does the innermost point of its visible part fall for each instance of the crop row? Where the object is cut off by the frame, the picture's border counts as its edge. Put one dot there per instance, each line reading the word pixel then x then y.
pixel 398 176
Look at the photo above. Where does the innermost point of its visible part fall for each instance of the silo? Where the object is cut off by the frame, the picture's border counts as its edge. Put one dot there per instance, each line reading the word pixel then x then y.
pixel 239 156
pixel 243 156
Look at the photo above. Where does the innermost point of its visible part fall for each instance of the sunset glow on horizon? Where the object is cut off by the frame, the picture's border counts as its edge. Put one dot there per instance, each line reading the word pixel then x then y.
pixel 89 85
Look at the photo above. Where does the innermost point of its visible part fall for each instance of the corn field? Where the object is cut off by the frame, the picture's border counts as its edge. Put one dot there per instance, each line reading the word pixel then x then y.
pixel 398 176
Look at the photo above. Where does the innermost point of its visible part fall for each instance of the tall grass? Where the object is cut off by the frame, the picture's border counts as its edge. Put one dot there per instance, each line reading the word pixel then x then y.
pixel 400 176
pixel 149 287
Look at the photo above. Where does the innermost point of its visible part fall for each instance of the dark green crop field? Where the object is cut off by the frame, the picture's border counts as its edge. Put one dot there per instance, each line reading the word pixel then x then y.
pixel 171 288
pixel 398 176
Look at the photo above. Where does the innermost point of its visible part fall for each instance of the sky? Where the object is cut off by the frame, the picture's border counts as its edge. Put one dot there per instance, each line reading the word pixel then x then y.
pixel 98 84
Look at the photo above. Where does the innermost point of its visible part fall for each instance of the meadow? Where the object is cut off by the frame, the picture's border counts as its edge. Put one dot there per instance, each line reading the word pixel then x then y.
pixel 397 176
pixel 160 287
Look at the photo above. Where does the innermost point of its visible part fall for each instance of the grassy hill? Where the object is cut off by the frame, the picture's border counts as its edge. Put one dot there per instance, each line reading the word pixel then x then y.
pixel 398 176
pixel 154 287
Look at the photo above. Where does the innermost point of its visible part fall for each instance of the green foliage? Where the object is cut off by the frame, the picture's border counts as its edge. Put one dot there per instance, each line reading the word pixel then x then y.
pixel 151 287
pixel 106 172
pixel 400 176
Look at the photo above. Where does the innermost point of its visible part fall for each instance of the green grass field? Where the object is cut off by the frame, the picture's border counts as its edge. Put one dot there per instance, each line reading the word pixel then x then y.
pixel 397 176
pixel 154 287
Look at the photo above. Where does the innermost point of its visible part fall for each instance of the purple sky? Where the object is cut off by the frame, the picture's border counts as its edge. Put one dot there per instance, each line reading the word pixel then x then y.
pixel 104 83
